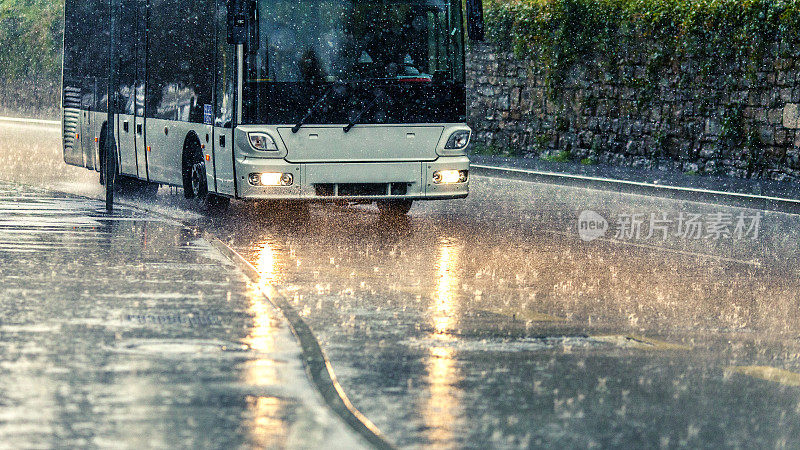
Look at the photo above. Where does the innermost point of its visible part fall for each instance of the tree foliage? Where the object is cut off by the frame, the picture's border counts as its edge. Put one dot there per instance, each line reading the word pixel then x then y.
pixel 31 32
pixel 30 55
pixel 562 32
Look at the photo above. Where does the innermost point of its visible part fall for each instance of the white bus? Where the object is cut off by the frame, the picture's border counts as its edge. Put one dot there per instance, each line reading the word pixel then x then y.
pixel 332 100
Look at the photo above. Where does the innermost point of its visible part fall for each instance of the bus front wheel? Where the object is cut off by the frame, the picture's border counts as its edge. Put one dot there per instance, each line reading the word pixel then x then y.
pixel 195 182
pixel 394 207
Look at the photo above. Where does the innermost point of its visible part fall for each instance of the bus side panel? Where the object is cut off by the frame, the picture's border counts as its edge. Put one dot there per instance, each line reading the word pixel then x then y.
pixel 166 139
pixel 158 145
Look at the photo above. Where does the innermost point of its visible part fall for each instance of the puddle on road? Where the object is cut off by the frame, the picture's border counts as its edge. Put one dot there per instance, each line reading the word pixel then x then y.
pixel 183 348
pixel 566 343
pixel 767 373
pixel 639 342
pixel 30 328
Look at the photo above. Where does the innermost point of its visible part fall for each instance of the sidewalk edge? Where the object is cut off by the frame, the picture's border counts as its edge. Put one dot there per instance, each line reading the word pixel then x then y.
pixel 318 367
pixel 786 205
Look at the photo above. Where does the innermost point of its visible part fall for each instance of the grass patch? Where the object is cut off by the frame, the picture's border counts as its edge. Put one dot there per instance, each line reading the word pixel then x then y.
pixel 561 156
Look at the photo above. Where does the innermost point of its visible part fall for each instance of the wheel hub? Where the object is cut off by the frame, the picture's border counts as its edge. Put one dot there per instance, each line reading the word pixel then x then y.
pixel 198 171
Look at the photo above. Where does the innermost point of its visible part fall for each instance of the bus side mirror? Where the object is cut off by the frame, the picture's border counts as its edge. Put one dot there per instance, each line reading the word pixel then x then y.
pixel 237 21
pixel 475 28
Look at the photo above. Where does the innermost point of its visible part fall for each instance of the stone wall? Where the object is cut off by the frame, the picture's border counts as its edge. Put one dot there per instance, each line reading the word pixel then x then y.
pixel 731 120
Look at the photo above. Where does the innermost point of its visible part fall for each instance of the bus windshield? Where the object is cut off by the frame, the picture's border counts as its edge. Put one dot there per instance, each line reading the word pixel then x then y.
pixel 322 40
pixel 304 45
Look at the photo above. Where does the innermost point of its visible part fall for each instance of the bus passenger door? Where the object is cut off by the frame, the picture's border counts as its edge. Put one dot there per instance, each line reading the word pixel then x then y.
pixel 87 135
pixel 138 128
pixel 223 155
pixel 223 109
pixel 127 76
pixel 223 161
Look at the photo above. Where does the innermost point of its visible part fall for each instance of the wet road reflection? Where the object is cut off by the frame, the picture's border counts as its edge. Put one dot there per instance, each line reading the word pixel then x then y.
pixel 489 322
pixel 447 328
pixel 267 429
pixel 441 411
pixel 445 305
pixel 128 330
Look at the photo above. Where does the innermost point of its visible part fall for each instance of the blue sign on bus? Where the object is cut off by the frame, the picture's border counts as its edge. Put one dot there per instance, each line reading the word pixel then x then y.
pixel 208 115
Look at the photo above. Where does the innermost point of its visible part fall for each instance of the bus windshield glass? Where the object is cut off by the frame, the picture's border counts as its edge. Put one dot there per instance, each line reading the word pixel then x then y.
pixel 412 48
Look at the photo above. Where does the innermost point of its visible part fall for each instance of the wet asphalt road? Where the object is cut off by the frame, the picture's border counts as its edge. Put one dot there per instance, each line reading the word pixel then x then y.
pixel 129 330
pixel 489 322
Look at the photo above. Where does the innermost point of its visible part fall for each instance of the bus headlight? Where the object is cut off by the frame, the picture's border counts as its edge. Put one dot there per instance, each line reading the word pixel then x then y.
pixel 450 176
pixel 262 141
pixel 458 140
pixel 271 179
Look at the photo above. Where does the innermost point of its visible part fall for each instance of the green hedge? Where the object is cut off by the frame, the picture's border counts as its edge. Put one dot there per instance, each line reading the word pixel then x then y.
pixel 31 36
pixel 30 55
pixel 562 32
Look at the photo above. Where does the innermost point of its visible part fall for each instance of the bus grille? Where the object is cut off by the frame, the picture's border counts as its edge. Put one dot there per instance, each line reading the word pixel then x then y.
pixel 360 189
pixel 72 116
pixel 71 119
pixel 72 97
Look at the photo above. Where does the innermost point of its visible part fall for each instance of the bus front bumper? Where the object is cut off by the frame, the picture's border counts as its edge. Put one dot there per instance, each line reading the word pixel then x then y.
pixel 350 181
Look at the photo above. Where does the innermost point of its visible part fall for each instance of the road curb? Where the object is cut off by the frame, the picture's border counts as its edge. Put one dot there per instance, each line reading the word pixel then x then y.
pixel 317 365
pixel 786 205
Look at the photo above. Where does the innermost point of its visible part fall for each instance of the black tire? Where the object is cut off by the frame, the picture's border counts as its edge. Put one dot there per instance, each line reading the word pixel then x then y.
pixel 195 182
pixel 394 207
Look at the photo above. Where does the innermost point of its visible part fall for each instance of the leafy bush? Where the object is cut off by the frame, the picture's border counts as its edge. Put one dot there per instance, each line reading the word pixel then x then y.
pixel 561 156
pixel 30 55
pixel 560 33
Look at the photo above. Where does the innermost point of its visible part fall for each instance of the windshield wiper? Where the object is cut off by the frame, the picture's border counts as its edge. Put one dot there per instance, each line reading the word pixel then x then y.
pixel 353 122
pixel 313 108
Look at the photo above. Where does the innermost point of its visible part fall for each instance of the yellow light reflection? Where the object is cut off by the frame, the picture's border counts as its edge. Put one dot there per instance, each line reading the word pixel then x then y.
pixel 446 287
pixel 266 426
pixel 442 407
pixel 267 263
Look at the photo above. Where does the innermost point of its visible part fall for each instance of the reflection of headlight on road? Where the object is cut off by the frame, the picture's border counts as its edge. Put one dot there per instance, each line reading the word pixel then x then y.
pixel 450 176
